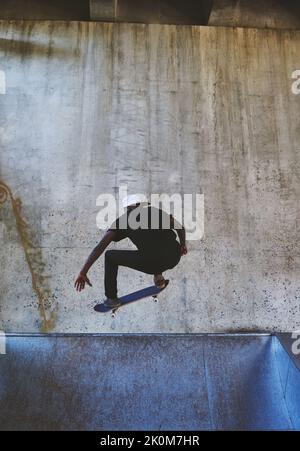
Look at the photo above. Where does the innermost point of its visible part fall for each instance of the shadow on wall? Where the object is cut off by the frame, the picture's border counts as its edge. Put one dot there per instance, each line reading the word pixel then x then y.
pixel 188 12
pixel 256 13
pixel 236 13
pixel 45 9
pixel 144 11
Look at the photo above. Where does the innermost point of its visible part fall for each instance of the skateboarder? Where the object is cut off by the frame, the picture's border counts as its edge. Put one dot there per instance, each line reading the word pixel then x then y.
pixel 152 232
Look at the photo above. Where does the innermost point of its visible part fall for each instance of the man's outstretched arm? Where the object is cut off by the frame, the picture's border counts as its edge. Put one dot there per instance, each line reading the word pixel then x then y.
pixel 82 278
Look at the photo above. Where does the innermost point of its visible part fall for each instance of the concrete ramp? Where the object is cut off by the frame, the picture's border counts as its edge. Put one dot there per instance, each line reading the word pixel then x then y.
pixel 148 382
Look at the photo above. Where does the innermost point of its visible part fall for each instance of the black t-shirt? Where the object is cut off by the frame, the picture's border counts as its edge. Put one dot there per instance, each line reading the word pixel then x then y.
pixel 149 228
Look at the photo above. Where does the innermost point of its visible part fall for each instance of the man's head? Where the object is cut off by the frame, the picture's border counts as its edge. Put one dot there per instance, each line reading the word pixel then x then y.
pixel 133 201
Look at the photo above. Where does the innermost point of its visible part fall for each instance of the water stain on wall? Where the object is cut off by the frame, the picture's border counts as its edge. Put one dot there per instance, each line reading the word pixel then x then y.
pixel 34 261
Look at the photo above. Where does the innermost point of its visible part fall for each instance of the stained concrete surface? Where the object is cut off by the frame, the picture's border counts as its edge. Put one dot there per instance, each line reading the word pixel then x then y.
pixel 275 14
pixel 148 382
pixel 91 106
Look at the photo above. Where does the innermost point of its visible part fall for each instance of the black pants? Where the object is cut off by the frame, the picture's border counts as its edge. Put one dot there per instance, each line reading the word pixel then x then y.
pixel 149 264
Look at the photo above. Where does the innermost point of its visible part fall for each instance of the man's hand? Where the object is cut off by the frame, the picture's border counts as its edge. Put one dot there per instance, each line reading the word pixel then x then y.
pixel 183 249
pixel 80 282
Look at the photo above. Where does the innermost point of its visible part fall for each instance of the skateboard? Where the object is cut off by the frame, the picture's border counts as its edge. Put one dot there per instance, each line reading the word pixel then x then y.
pixel 153 291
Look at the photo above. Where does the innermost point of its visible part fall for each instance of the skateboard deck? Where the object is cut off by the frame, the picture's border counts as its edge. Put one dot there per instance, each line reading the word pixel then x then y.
pixel 153 291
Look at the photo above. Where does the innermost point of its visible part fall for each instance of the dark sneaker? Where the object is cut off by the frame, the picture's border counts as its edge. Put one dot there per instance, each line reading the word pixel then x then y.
pixel 159 281
pixel 112 303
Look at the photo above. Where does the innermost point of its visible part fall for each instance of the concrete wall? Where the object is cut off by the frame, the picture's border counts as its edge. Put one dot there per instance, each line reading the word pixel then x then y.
pixel 89 106
pixel 256 13
pixel 152 11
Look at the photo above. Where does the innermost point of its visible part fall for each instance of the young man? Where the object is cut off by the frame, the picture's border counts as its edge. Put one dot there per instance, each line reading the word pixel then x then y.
pixel 152 232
